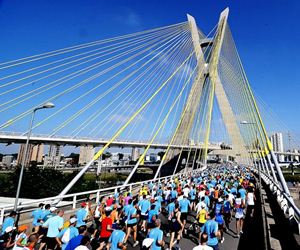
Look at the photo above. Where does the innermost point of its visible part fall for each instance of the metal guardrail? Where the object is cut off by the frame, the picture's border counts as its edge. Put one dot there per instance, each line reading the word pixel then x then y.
pixel 284 200
pixel 75 197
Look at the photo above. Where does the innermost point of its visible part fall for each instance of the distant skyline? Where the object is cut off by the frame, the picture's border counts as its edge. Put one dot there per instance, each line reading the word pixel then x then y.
pixel 266 33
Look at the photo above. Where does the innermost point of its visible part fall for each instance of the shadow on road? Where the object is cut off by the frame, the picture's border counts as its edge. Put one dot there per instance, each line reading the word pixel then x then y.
pixel 253 236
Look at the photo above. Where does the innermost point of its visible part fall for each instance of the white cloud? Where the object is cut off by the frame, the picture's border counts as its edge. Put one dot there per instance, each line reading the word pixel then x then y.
pixel 127 17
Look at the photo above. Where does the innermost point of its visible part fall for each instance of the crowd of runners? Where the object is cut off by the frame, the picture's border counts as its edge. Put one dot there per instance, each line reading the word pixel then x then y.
pixel 157 216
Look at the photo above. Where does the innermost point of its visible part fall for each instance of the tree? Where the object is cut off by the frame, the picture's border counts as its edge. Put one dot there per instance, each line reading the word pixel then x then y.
pixel 38 183
pixel 75 158
pixel 161 154
pixel 121 156
pixel 106 155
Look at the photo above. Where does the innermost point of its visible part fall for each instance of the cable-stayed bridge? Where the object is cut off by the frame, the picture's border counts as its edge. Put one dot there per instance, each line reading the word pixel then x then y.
pixel 160 88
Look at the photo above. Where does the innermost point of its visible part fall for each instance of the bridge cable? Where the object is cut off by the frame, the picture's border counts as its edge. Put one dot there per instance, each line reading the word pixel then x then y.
pixel 72 48
pixel 68 90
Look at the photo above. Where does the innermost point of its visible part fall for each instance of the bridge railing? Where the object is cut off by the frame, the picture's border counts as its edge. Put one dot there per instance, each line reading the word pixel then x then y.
pixel 75 198
pixel 284 200
pixel 8 133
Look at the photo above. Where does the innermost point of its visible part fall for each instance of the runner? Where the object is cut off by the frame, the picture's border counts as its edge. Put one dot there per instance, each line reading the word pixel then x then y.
pixel 96 214
pixel 152 216
pixel 184 205
pixel 21 238
pixel 144 207
pixel 170 209
pixel 202 217
pixel 9 221
pixel 75 242
pixel 250 198
pixel 67 234
pixel 219 217
pixel 176 226
pixel 239 214
pixel 192 196
pixel 46 212
pixel 81 215
pixel 106 229
pixel 132 220
pixel 117 238
pixel 211 229
pixel 85 241
pixel 54 224
pixel 203 243
pixel 32 241
pixel 157 235
pixel 37 217
pixel 227 208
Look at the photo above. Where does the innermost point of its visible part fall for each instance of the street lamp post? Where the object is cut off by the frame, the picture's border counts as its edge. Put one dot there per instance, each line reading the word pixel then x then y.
pixel 45 106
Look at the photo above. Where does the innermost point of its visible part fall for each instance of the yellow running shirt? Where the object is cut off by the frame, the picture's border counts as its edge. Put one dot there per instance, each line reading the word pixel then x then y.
pixel 202 216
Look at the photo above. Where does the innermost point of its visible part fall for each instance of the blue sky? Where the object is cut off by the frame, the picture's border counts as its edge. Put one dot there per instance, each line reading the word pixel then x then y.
pixel 267 35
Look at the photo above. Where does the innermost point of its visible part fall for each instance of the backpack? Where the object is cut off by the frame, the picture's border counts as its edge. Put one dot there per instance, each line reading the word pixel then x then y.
pixel 23 242
pixel 66 236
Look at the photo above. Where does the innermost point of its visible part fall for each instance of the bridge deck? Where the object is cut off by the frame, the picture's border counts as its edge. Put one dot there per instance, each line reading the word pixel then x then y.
pixel 76 141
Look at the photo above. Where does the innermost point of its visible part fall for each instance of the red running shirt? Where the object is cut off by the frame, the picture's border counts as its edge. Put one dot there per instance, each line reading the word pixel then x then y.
pixel 105 223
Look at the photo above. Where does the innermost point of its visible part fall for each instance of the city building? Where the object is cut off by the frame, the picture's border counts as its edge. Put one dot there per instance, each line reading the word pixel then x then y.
pixel 154 157
pixel 277 142
pixel 135 154
pixel 115 157
pixel 35 153
pixel 54 150
pixel 126 156
pixel 119 156
pixel 7 160
pixel 86 154
pixel 296 157
pixel 53 157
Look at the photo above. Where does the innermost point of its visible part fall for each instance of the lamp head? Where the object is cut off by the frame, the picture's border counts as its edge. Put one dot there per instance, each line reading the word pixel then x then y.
pixel 48 105
pixel 244 122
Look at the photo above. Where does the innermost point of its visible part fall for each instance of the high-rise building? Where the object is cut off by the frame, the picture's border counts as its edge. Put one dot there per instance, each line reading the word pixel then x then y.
pixel 86 154
pixel 53 157
pixel 54 150
pixel 277 142
pixel 35 153
pixel 135 154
